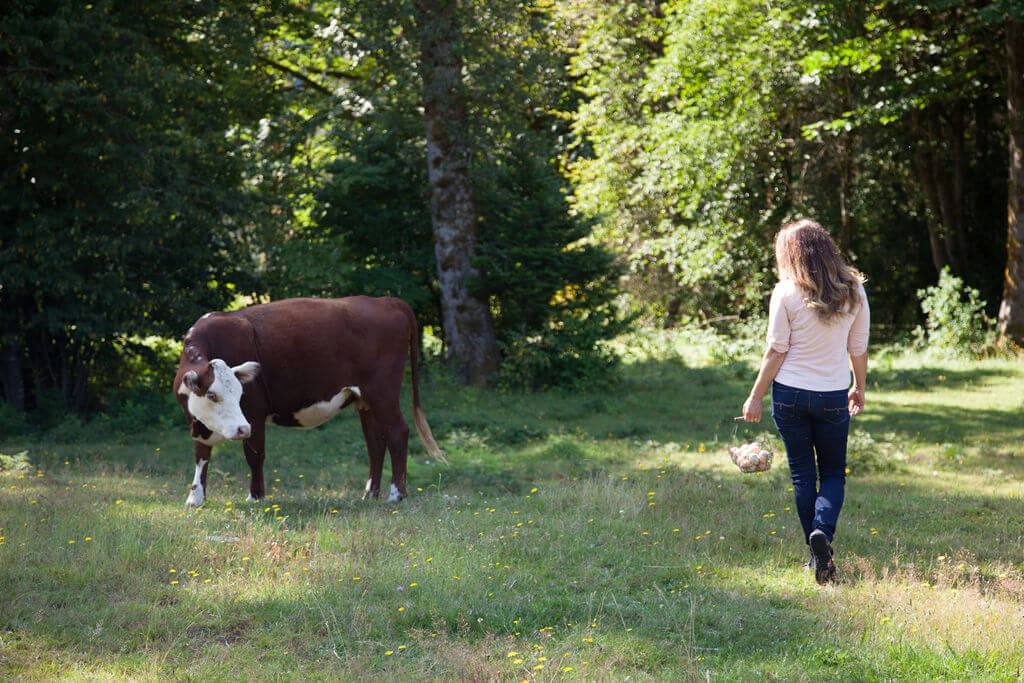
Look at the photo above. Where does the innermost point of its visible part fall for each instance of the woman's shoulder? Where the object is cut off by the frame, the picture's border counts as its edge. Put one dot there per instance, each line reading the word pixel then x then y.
pixel 786 288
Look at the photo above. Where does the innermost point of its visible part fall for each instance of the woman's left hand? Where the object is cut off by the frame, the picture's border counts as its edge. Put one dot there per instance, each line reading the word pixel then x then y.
pixel 752 409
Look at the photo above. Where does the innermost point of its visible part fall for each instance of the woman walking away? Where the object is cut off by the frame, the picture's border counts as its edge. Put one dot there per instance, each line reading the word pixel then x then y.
pixel 818 315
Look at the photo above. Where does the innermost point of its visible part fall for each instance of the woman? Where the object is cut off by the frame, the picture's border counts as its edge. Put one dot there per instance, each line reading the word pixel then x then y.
pixel 818 315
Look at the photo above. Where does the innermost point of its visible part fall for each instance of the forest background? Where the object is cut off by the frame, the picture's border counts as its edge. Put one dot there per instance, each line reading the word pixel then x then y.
pixel 533 177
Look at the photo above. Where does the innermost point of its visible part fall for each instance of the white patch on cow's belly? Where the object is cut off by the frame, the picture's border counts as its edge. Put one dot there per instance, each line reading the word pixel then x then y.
pixel 196 496
pixel 320 412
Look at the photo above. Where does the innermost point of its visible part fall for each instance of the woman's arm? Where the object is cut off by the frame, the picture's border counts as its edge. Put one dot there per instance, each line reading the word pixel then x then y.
pixel 860 378
pixel 770 364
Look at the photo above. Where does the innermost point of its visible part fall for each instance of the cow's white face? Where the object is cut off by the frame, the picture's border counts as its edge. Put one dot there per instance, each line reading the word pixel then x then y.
pixel 218 403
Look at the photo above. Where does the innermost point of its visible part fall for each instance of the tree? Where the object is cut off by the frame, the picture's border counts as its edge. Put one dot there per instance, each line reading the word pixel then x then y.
pixel 460 108
pixel 1011 309
pixel 469 330
pixel 710 124
pixel 124 207
pixel 684 175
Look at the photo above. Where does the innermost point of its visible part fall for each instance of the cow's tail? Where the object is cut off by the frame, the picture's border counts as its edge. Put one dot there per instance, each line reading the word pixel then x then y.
pixel 419 417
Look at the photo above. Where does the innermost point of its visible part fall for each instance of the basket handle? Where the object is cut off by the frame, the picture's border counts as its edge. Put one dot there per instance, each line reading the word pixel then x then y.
pixel 735 426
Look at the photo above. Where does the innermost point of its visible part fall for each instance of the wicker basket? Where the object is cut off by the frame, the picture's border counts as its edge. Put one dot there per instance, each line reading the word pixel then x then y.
pixel 752 457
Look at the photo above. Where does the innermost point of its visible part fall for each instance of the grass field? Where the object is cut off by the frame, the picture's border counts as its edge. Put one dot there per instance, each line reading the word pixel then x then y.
pixel 599 535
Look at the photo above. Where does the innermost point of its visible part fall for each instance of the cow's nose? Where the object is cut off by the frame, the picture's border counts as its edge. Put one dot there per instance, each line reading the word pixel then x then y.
pixel 243 432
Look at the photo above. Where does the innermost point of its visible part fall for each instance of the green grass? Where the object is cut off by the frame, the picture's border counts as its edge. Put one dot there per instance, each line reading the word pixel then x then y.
pixel 588 536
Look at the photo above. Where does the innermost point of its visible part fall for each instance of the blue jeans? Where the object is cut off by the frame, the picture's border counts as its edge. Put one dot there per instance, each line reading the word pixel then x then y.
pixel 814 423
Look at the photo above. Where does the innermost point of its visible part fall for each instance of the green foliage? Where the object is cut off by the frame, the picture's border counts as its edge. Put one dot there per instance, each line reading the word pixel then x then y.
pixel 371 232
pixel 865 453
pixel 682 168
pixel 12 421
pixel 956 321
pixel 707 125
pixel 16 461
pixel 124 206
pixel 551 292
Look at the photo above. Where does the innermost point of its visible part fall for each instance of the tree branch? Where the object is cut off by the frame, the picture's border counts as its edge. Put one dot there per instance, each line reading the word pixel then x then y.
pixel 297 74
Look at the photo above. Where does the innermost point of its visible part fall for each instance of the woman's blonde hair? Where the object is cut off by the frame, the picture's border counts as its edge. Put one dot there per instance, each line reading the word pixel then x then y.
pixel 806 254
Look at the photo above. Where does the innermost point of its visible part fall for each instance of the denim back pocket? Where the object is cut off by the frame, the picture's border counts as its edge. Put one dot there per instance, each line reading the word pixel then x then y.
pixel 783 402
pixel 835 409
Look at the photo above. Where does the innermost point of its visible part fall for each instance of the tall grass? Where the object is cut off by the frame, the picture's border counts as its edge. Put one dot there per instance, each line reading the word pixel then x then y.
pixel 587 536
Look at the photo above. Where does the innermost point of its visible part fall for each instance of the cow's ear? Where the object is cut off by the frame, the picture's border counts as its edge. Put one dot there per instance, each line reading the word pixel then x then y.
pixel 191 380
pixel 246 372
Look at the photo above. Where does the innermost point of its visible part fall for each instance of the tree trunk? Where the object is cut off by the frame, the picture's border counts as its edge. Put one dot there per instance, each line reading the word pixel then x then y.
pixel 1011 311
pixel 845 174
pixel 923 160
pixel 12 378
pixel 468 328
pixel 944 187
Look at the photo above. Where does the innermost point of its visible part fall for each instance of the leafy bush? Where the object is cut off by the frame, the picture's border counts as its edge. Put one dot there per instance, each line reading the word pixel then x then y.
pixel 866 454
pixel 570 353
pixel 12 421
pixel 17 461
pixel 956 322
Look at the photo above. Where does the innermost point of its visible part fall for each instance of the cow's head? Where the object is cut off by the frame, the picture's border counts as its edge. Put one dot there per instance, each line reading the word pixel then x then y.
pixel 214 396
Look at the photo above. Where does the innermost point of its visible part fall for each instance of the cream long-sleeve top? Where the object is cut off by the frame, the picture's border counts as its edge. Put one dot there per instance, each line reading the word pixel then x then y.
pixel 816 351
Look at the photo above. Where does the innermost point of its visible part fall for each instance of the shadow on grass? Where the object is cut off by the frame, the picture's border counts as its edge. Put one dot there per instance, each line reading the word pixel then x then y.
pixel 931 377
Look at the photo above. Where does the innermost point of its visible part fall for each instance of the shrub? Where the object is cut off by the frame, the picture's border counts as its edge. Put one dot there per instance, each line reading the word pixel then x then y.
pixel 12 421
pixel 955 317
pixel 866 454
pixel 571 354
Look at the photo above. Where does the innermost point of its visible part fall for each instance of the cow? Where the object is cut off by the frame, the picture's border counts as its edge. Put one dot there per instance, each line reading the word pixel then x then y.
pixel 296 363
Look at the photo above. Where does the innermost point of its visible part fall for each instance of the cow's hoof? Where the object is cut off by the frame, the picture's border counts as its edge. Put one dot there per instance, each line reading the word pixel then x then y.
pixel 396 495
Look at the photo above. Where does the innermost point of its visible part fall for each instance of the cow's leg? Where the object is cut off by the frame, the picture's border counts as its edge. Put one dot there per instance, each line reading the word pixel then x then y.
pixel 197 491
pixel 398 445
pixel 375 445
pixel 395 432
pixel 255 454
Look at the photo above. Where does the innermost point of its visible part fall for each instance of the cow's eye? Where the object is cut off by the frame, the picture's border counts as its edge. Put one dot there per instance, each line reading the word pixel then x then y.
pixel 212 396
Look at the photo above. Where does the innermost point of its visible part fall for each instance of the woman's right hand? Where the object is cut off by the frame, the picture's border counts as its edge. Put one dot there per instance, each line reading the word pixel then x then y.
pixel 752 409
pixel 856 397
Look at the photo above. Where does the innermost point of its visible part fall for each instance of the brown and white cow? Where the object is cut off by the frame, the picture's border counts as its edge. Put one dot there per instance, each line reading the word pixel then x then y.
pixel 296 363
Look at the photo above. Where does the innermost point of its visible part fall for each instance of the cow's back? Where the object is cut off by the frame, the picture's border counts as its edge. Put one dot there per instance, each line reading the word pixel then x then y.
pixel 310 348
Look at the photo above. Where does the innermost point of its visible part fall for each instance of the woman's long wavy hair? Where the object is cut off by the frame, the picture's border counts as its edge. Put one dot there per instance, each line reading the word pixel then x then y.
pixel 806 254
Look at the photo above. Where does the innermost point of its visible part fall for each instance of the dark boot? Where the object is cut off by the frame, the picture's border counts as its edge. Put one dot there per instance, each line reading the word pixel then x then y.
pixel 821 551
